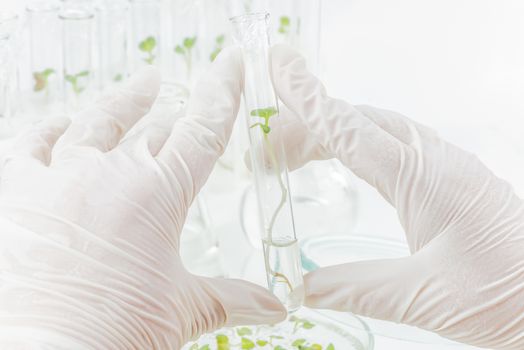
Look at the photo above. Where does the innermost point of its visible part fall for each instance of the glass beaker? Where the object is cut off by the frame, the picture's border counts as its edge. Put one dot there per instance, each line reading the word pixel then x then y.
pixel 281 252
pixel 145 33
pixel 77 19
pixel 111 17
pixel 45 50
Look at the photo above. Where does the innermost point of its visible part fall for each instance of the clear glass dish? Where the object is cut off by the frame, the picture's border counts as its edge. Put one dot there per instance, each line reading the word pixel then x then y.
pixel 305 328
pixel 330 250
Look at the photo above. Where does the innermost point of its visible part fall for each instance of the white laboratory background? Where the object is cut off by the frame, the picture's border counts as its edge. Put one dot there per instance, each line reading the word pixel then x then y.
pixel 454 65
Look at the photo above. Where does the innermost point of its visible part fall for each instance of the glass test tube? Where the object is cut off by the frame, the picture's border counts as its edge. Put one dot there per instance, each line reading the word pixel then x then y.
pixel 297 23
pixel 281 253
pixel 145 33
pixel 186 40
pixel 8 24
pixel 44 38
pixel 111 17
pixel 77 33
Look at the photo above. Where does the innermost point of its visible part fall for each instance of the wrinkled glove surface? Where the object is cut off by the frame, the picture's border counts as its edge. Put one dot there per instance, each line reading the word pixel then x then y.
pixel 464 226
pixel 90 220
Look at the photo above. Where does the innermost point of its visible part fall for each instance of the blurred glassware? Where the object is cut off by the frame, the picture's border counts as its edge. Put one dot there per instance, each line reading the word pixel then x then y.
pixel 297 23
pixel 9 22
pixel 77 19
pixel 199 248
pixel 42 83
pixel 146 33
pixel 112 35
pixel 185 41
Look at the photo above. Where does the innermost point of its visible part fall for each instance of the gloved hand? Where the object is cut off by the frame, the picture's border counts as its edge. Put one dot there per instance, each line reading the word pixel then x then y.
pixel 90 223
pixel 464 226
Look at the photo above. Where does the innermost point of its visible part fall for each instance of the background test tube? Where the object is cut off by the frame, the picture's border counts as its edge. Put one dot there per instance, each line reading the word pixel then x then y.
pixel 77 33
pixel 145 33
pixel 281 253
pixel 111 17
pixel 45 49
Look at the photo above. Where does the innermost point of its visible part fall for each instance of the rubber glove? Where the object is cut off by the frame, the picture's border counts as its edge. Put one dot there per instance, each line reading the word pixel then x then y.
pixel 89 225
pixel 464 226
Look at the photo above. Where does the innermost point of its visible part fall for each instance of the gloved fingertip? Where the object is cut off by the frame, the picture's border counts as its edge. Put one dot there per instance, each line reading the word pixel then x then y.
pixel 284 56
pixel 144 85
pixel 247 303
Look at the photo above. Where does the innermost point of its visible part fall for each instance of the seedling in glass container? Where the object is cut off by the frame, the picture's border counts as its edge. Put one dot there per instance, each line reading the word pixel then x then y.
pixel 285 23
pixel 76 81
pixel 281 254
pixel 219 45
pixel 41 79
pixel 185 49
pixel 148 46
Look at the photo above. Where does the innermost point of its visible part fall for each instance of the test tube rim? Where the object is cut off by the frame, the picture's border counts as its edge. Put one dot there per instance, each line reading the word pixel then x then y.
pixel 248 17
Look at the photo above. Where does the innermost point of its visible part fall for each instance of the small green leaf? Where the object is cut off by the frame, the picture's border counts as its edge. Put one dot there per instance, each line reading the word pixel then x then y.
pixel 244 331
pixel 299 342
pixel 148 44
pixel 247 344
pixel 276 337
pixel 222 342
pixel 118 77
pixel 180 50
pixel 220 39
pixel 264 112
pixel 316 347
pixel 214 54
pixel 47 72
pixel 204 347
pixel 284 21
pixel 190 42
pixel 307 325
pixel 278 347
pixel 330 347
pixel 83 73
pixel 265 128
pixel 70 78
pixel 261 342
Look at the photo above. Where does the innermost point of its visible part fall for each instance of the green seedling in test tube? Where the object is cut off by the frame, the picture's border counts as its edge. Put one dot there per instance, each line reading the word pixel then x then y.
pixel 41 79
pixel 185 50
pixel 148 46
pixel 285 23
pixel 75 81
pixel 266 114
pixel 219 45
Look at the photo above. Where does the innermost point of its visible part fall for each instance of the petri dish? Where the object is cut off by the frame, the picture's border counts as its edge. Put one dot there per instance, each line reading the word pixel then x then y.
pixel 305 328
pixel 330 250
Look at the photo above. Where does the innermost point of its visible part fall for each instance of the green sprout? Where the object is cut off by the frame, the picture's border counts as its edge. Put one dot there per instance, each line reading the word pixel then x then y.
pixel 285 23
pixel 266 114
pixel 222 342
pixel 41 79
pixel 118 77
pixel 148 45
pixel 301 323
pixel 75 80
pixel 219 45
pixel 247 341
pixel 185 50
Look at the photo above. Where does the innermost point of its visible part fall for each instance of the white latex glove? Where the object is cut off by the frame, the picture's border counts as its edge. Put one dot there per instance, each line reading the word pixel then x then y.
pixel 464 225
pixel 89 225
